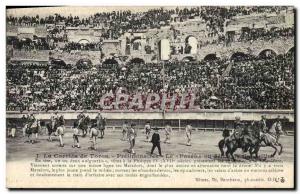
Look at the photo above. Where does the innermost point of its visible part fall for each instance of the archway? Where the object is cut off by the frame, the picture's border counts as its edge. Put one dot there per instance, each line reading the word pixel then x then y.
pixel 84 64
pixel 137 61
pixel 191 45
pixel 291 51
pixel 25 42
pixel 239 56
pixel 59 64
pixel 164 49
pixel 210 57
pixel 110 63
pixel 188 59
pixel 136 44
pixel 83 41
pixel 267 53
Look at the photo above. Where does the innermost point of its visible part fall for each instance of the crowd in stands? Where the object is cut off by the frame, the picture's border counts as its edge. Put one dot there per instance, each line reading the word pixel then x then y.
pixel 260 82
pixel 115 24
pixel 266 35
pixel 51 41
pixel 253 83
pixel 77 46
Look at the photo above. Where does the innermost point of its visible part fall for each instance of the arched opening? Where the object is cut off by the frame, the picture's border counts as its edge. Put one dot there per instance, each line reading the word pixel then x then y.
pixel 110 63
pixel 83 41
pixel 267 53
pixel 84 64
pixel 10 40
pixel 210 57
pixel 188 59
pixel 291 51
pixel 245 33
pixel 164 49
pixel 59 64
pixel 191 45
pixel 26 40
pixel 23 43
pixel 136 45
pixel 137 61
pixel 239 56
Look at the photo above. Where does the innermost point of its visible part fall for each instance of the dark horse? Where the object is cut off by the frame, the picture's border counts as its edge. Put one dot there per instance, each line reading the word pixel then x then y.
pixel 258 140
pixel 83 124
pixel 53 126
pixel 232 143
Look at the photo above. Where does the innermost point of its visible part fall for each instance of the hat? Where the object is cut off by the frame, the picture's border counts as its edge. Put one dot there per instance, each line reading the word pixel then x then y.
pixel 156 129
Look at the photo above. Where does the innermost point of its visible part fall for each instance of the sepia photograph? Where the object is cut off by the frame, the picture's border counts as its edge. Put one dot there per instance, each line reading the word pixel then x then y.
pixel 150 97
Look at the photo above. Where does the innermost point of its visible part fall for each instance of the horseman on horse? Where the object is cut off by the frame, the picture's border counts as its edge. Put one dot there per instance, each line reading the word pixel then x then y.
pixel 56 126
pixel 243 137
pixel 243 133
pixel 83 122
pixel 81 117
pixel 32 127
pixel 252 137
pixel 276 129
pixel 269 137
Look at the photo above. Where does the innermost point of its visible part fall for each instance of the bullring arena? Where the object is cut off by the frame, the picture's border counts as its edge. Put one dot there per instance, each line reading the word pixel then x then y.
pixel 231 61
pixel 205 136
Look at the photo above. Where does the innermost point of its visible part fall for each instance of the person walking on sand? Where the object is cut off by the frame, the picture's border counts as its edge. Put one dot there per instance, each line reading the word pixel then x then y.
pixel 147 130
pixel 131 134
pixel 124 130
pixel 168 131
pixel 155 140
pixel 188 132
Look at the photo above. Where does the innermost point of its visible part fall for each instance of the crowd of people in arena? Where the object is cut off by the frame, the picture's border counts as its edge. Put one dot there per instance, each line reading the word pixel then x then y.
pixel 266 35
pixel 252 83
pixel 213 15
pixel 260 82
pixel 114 24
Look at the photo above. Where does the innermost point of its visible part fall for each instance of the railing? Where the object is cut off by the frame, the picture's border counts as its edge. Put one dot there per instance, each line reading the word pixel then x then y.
pixel 204 114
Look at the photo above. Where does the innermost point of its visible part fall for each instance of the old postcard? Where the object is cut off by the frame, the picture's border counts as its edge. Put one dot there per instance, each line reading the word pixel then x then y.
pixel 150 97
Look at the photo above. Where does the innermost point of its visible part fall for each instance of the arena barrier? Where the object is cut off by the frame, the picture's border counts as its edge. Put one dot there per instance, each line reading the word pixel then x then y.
pixel 207 114
pixel 201 120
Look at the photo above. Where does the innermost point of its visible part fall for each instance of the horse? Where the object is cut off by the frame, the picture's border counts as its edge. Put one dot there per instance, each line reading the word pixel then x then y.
pixel 32 128
pixel 83 124
pixel 269 139
pixel 53 126
pixel 232 143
